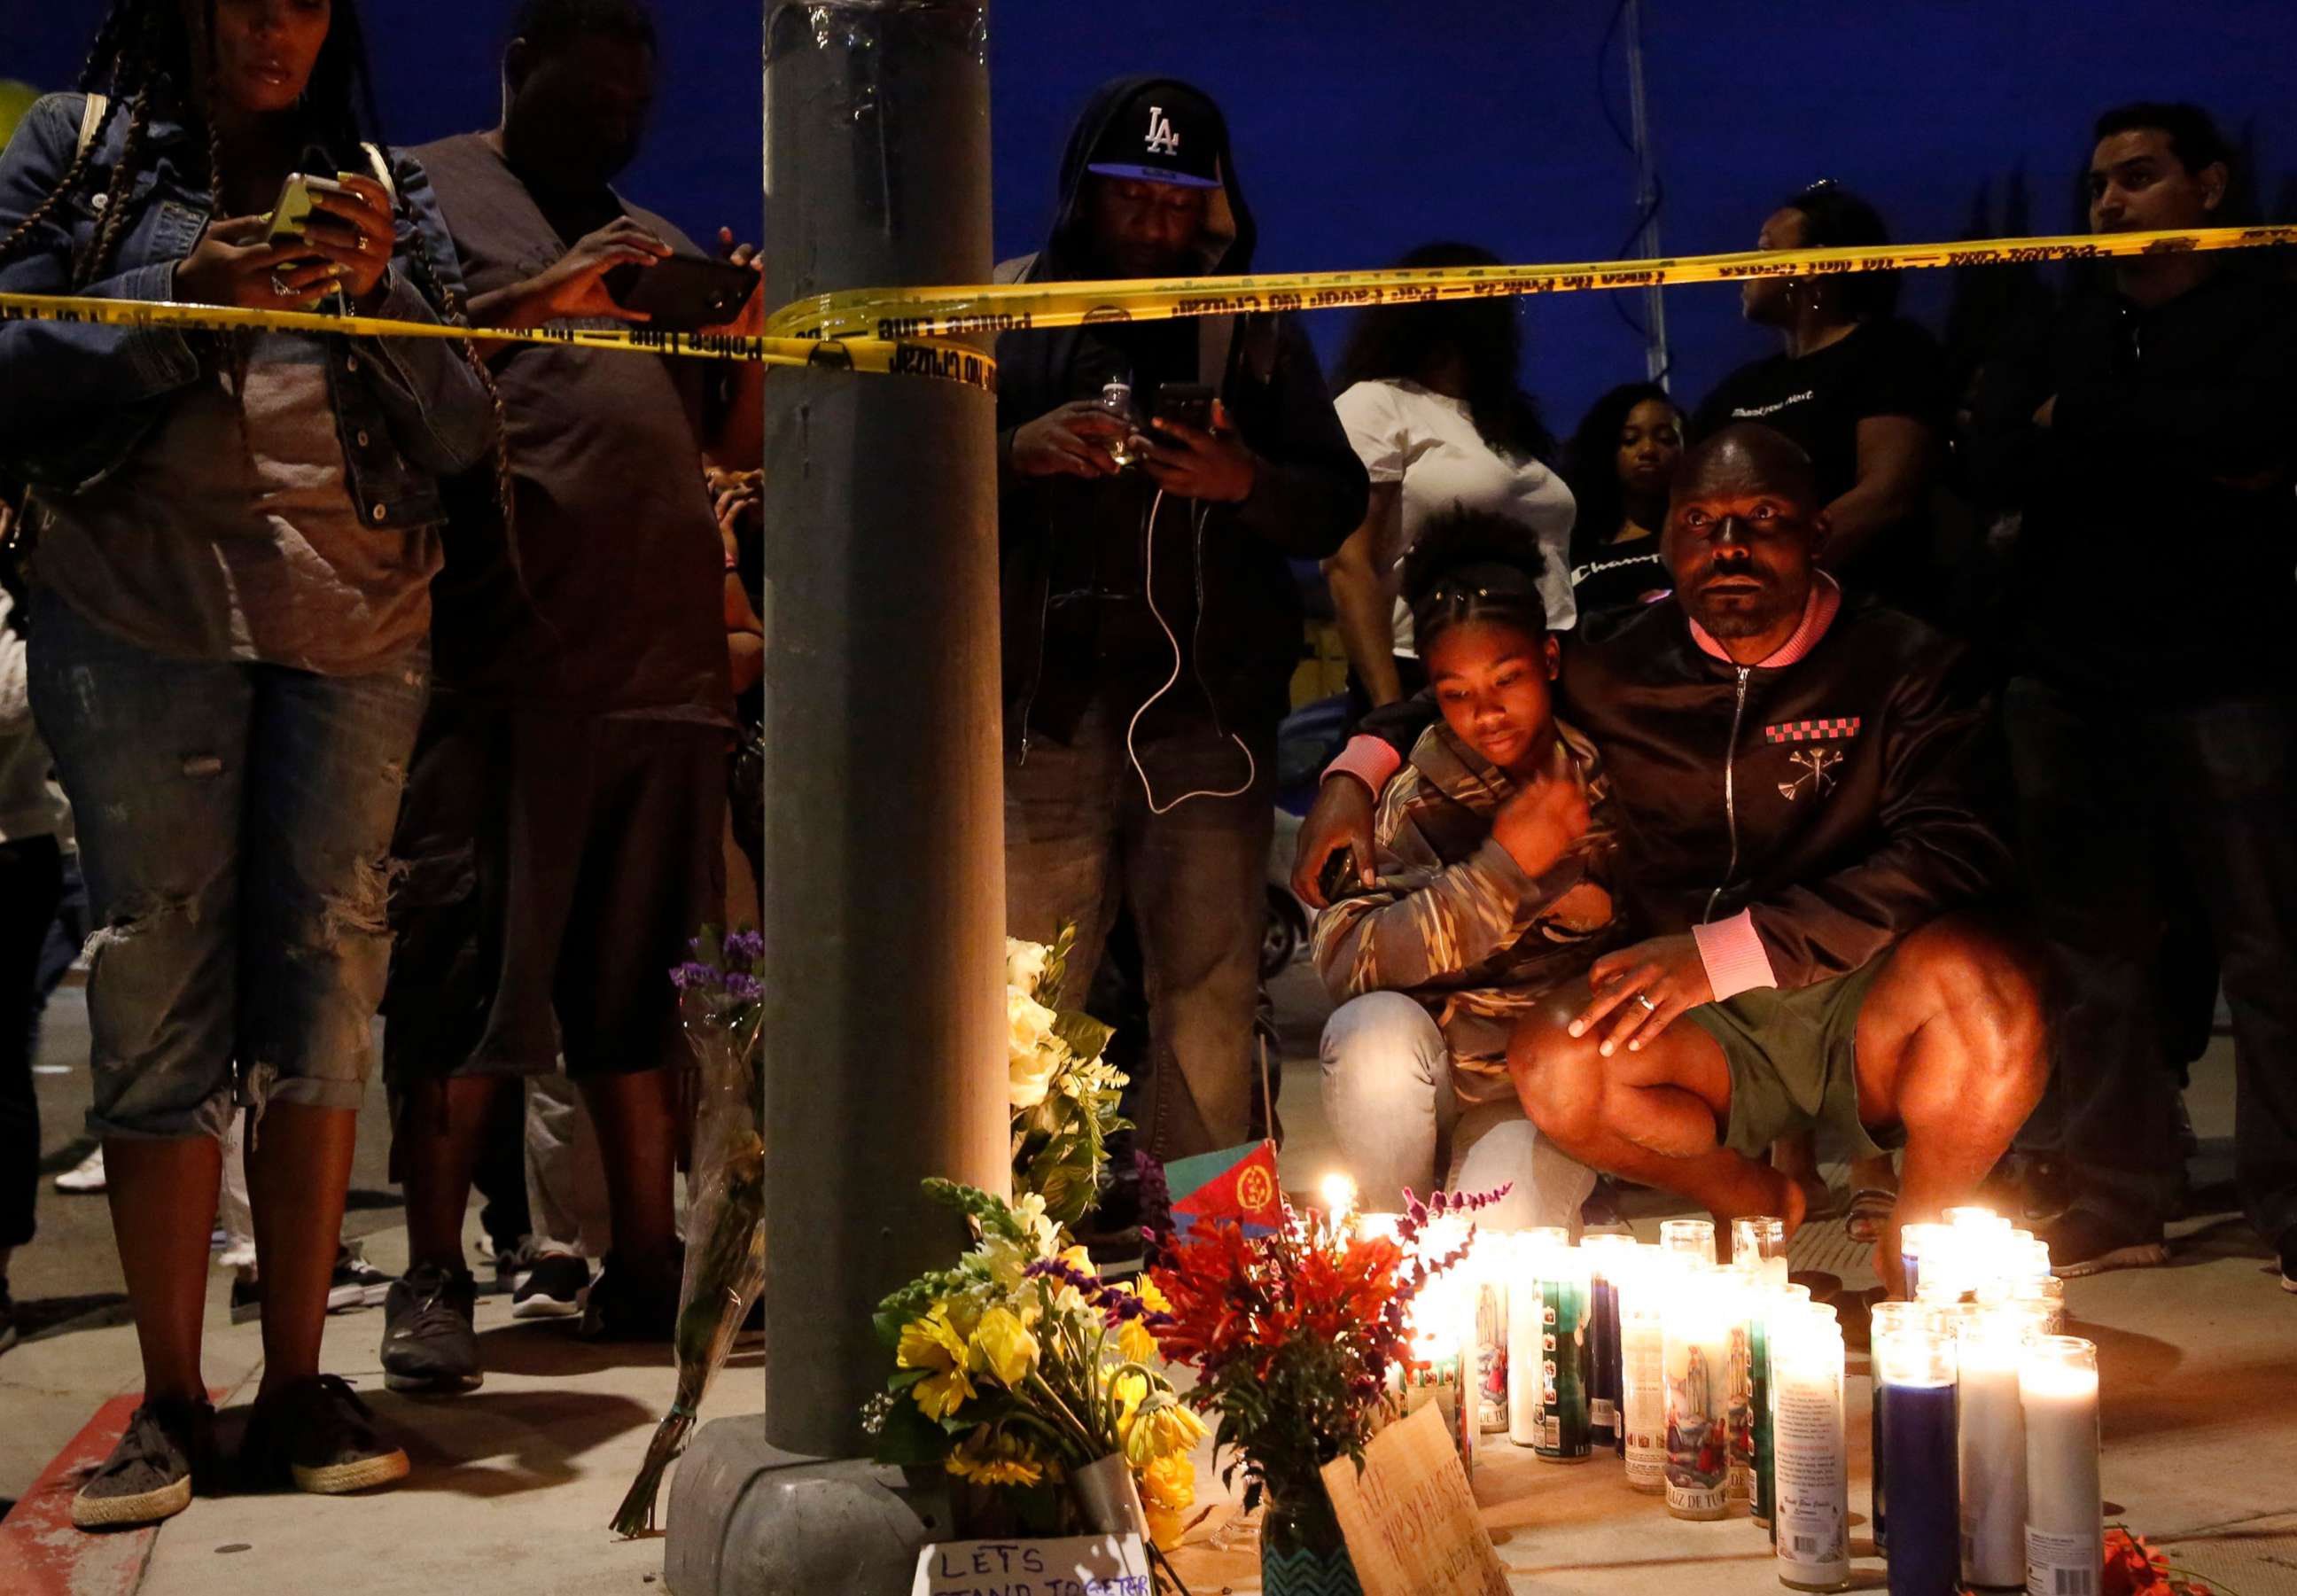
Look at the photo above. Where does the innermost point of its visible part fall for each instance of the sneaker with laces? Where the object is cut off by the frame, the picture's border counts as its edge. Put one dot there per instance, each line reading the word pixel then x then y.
pixel 557 1287
pixel 317 1435
pixel 148 1477
pixel 2086 1243
pixel 357 1283
pixel 430 1342
pixel 85 1177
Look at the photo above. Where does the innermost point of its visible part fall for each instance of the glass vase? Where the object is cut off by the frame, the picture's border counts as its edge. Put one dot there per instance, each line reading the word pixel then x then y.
pixel 1302 1552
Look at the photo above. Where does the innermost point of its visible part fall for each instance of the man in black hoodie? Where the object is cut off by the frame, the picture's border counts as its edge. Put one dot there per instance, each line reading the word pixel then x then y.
pixel 2150 438
pixel 1150 620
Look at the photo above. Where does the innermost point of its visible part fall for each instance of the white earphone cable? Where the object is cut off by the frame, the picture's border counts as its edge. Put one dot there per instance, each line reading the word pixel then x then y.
pixel 1133 754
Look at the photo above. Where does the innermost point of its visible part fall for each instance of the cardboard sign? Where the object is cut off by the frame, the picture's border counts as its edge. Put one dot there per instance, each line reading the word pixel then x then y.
pixel 1409 1520
pixel 1079 1566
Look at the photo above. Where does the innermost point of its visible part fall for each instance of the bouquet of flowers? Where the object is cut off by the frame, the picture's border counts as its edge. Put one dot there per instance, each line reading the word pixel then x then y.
pixel 1064 1096
pixel 1019 1371
pixel 721 993
pixel 1295 1335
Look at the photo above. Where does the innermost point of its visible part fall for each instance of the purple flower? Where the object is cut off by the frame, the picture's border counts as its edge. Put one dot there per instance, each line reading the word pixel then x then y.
pixel 743 988
pixel 746 946
pixel 688 976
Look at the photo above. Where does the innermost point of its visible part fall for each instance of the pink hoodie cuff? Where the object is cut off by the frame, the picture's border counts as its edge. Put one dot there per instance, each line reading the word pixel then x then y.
pixel 1732 950
pixel 1369 759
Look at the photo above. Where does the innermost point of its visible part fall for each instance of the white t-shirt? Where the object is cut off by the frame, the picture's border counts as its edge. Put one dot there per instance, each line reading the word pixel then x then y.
pixel 1428 441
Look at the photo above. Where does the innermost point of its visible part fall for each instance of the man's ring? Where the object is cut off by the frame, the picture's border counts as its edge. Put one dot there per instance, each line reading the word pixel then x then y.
pixel 1644 998
pixel 281 288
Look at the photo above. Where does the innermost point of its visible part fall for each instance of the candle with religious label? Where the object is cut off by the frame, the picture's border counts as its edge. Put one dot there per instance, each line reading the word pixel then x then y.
pixel 1690 1238
pixel 1776 1304
pixel 1493 1263
pixel 1644 1294
pixel 1991 1445
pixel 2057 1388
pixel 1916 1366
pixel 1697 1328
pixel 1813 1513
pixel 1560 1420
pixel 1442 1331
pixel 1607 1260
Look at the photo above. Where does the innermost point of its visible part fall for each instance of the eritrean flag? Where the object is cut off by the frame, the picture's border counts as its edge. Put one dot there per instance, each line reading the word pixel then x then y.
pixel 1235 1184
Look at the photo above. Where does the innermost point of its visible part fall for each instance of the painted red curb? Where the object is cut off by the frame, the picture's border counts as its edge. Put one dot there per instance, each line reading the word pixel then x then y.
pixel 42 1554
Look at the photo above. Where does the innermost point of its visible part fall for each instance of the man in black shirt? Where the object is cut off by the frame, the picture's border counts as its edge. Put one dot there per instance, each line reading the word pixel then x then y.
pixel 1860 387
pixel 2150 435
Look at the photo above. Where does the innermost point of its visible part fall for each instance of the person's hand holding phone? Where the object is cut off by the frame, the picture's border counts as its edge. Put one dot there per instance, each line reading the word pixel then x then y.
pixel 575 288
pixel 1210 464
pixel 235 263
pixel 752 321
pixel 348 239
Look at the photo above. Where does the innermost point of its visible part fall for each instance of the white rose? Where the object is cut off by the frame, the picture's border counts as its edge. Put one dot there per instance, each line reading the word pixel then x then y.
pixel 1032 1055
pixel 1025 964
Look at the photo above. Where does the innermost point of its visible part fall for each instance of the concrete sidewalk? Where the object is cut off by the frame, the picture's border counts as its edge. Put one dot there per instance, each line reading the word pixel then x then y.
pixel 514 1484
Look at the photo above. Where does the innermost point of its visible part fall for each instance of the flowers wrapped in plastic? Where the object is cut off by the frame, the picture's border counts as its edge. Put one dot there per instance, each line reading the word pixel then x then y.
pixel 1064 1096
pixel 1019 1371
pixel 720 1002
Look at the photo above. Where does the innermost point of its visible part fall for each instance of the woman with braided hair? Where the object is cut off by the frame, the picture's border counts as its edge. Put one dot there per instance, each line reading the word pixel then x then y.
pixel 234 538
pixel 1490 887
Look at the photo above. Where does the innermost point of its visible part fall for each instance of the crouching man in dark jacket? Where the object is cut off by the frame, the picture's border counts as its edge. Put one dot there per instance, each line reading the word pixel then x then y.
pixel 1151 624
pixel 1804 841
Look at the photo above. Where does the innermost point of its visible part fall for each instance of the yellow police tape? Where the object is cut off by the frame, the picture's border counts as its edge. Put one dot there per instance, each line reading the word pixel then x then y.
pixel 905 331
pixel 901 357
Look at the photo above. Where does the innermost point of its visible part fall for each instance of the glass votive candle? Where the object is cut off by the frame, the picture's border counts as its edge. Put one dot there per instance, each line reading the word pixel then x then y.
pixel 1917 1372
pixel 2057 1388
pixel 1688 1238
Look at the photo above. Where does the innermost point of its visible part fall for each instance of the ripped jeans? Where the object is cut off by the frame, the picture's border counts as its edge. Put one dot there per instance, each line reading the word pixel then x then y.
pixel 235 827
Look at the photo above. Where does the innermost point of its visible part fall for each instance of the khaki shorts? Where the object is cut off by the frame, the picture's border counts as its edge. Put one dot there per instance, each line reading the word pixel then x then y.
pixel 1794 1062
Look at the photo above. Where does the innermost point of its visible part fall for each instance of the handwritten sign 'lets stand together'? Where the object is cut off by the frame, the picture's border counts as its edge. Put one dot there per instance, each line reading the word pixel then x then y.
pixel 1409 1518
pixel 1079 1566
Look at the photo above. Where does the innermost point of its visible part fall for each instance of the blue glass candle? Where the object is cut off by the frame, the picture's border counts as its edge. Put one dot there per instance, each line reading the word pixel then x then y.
pixel 1884 1318
pixel 1917 1373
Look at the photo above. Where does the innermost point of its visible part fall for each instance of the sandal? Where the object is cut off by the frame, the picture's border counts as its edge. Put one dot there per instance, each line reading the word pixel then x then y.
pixel 1871 1207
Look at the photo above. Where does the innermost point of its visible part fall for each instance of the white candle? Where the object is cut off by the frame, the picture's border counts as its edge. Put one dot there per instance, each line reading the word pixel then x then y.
pixel 1697 1328
pixel 1523 1346
pixel 1813 1465
pixel 1642 1368
pixel 1692 1238
pixel 1990 1428
pixel 2065 1511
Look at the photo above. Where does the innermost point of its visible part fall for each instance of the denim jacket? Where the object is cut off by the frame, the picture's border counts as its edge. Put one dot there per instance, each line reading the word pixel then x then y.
pixel 76 399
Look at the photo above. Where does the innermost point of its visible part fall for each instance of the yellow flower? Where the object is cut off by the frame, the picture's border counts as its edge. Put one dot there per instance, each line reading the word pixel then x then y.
pixel 1134 1343
pixel 1032 1055
pixel 1025 964
pixel 933 1344
pixel 1162 1429
pixel 1003 1347
pixel 1168 1490
pixel 990 1459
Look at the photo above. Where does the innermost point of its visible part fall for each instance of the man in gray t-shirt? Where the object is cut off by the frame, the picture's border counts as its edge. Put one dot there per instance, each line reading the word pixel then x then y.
pixel 564 823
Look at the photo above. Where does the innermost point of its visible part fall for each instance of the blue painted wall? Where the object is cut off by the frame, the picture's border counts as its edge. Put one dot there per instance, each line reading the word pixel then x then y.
pixel 1366 126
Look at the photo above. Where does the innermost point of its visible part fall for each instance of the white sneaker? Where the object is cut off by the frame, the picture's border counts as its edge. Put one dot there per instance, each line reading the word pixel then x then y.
pixel 86 1176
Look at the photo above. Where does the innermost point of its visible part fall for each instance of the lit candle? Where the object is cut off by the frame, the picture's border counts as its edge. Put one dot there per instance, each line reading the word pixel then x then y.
pixel 1697 1328
pixel 1493 1260
pixel 1974 1216
pixel 1883 1319
pixel 1739 1406
pixel 2046 1296
pixel 1917 1370
pixel 1760 1243
pixel 1913 1239
pixel 1523 1346
pixel 1644 1294
pixel 1776 1305
pixel 1813 1462
pixel 1991 1446
pixel 2057 1386
pixel 1561 1416
pixel 1340 1194
pixel 1609 1259
pixel 1692 1238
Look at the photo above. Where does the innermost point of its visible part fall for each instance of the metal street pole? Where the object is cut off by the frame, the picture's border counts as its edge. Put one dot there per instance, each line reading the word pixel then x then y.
pixel 884 907
pixel 1655 351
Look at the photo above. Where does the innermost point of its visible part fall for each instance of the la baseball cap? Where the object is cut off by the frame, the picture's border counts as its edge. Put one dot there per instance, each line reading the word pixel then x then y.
pixel 1161 134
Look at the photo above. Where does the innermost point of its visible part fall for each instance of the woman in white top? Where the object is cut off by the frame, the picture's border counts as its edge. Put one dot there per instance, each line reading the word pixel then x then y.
pixel 1433 402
